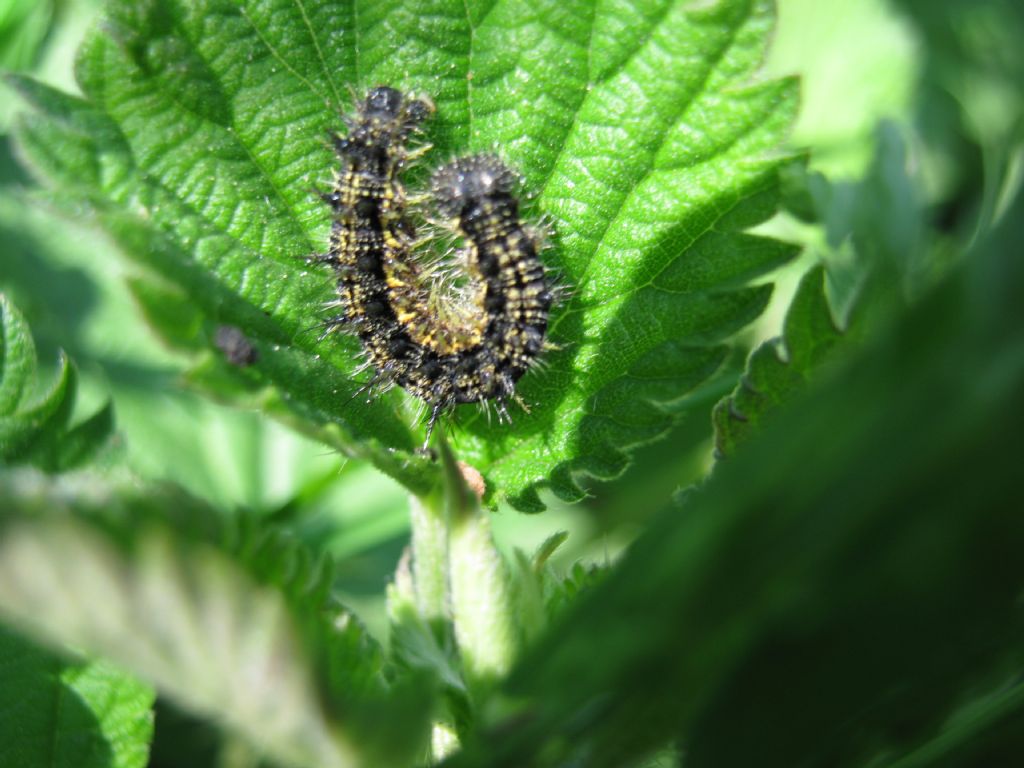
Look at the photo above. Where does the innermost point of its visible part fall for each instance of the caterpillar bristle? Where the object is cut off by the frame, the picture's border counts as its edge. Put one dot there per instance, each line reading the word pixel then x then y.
pixel 444 287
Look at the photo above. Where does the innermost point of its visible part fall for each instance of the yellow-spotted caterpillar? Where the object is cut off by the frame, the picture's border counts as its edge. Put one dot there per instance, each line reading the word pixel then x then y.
pixel 443 352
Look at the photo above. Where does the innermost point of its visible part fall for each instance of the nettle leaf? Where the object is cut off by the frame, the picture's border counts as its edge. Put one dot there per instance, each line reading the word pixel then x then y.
pixel 35 425
pixel 231 618
pixel 780 367
pixel 70 714
pixel 641 129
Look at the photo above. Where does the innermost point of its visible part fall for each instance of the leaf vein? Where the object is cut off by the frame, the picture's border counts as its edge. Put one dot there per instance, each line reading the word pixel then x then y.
pixel 283 61
pixel 613 220
pixel 319 53
pixel 576 111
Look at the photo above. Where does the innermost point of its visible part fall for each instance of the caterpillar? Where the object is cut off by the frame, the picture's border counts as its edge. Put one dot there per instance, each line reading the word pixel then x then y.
pixel 469 344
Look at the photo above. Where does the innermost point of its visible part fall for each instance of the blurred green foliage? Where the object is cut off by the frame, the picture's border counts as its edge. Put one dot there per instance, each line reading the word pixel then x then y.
pixel 34 425
pixel 23 27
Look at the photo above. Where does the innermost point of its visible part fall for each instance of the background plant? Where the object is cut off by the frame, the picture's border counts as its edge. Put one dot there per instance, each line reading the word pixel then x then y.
pixel 849 566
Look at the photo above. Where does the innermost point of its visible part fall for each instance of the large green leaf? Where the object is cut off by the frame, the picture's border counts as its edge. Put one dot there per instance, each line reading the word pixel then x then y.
pixel 69 714
pixel 35 426
pixel 641 127
pixel 235 621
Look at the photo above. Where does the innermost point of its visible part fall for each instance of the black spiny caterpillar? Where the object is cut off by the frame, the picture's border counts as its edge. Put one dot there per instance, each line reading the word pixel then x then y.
pixel 442 352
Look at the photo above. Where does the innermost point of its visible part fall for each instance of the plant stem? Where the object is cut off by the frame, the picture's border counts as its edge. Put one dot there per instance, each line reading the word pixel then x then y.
pixel 430 556
pixel 481 590
pixel 481 599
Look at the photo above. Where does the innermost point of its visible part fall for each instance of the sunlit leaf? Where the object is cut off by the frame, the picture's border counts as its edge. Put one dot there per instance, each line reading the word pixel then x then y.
pixel 643 131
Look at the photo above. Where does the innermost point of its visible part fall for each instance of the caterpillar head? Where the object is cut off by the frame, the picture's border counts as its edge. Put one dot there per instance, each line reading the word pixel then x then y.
pixel 468 180
pixel 389 106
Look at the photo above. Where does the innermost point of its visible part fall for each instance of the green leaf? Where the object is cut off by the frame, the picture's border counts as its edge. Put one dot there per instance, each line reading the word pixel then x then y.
pixel 34 427
pixel 78 445
pixel 779 368
pixel 24 25
pixel 985 731
pixel 69 714
pixel 18 357
pixel 875 238
pixel 882 216
pixel 833 593
pixel 416 643
pixel 169 312
pixel 561 592
pixel 642 130
pixel 540 592
pixel 235 621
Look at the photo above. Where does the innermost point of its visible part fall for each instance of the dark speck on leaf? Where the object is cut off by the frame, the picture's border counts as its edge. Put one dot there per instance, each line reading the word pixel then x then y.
pixel 237 349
